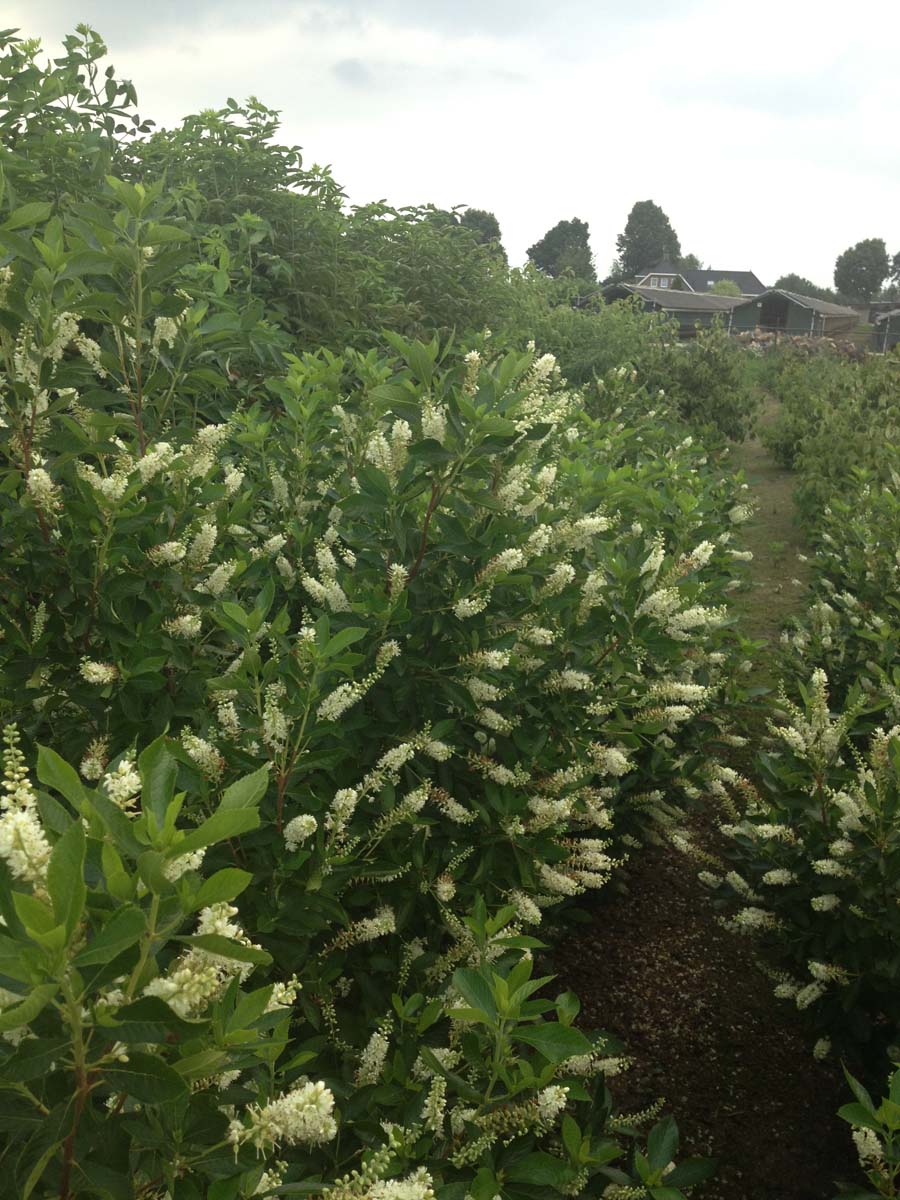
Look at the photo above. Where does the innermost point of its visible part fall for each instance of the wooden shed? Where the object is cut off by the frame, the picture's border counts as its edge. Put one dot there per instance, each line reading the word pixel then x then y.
pixel 780 311
pixel 887 330
pixel 690 309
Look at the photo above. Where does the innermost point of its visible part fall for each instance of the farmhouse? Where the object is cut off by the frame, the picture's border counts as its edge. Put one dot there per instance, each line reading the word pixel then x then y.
pixel 665 274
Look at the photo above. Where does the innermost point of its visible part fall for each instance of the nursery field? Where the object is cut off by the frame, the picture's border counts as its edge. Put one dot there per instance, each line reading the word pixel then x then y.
pixel 429 769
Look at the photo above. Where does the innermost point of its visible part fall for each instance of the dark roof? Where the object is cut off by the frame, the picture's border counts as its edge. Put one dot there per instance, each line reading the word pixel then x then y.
pixel 702 281
pixel 825 307
pixel 673 300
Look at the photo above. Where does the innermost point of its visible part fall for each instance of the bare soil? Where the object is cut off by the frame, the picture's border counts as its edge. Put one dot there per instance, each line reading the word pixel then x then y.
pixel 686 997
pixel 700 1020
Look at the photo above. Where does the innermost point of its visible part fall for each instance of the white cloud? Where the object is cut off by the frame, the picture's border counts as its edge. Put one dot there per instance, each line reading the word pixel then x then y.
pixel 766 135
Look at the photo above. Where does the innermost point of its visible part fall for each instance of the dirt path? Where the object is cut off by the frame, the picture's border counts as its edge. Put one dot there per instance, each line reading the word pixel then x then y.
pixel 776 540
pixel 685 996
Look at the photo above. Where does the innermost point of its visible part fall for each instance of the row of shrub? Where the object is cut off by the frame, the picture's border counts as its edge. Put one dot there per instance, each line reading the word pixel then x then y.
pixel 815 851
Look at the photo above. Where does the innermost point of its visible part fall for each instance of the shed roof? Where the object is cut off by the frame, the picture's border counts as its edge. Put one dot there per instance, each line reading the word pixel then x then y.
pixel 825 307
pixel 675 301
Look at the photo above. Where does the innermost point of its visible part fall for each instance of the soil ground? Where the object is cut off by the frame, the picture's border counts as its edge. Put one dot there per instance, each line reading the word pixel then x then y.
pixel 687 997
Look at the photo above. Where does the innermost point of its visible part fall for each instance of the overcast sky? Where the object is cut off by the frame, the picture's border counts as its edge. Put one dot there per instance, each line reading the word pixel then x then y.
pixel 768 132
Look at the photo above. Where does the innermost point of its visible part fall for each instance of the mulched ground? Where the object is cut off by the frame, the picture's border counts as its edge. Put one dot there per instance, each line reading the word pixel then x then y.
pixel 700 1020
pixel 684 995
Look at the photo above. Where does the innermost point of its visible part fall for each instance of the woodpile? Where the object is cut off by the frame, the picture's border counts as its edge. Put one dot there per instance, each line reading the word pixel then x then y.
pixel 761 341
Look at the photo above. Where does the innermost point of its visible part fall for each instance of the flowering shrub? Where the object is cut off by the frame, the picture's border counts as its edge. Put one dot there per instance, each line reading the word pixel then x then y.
pixel 850 627
pixel 876 1135
pixel 429 560
pixel 835 416
pixel 433 516
pixel 124 1015
pixel 816 860
pixel 143 1056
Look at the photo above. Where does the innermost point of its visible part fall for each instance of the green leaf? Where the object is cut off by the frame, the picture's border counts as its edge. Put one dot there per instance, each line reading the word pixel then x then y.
pixel 55 772
pixel 34 1058
pixel 421 362
pixel 125 927
pixel 37 1171
pixel 116 824
pixel 246 792
pixel 55 817
pixel 25 1012
pixel 224 885
pixel 146 1079
pixel 475 989
pixel 855 1114
pixel 202 1064
pixel 158 770
pixel 149 1020
pixel 35 915
pixel 35 213
pixel 20 246
pixel 662 1144
pixel 215 943
pixel 65 877
pixel 571 1136
pixel 691 1172
pixel 220 826
pixel 156 235
pixel 567 1007
pixel 342 640
pixel 542 1170
pixel 860 1093
pixel 555 1042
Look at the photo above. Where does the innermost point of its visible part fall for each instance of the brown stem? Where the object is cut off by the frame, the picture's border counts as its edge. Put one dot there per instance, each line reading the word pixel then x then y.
pixel 432 505
pixel 613 645
pixel 42 521
pixel 69 1145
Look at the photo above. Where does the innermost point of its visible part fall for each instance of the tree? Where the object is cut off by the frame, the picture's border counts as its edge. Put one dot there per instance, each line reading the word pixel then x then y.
pixel 483 223
pixel 861 270
pixel 690 262
pixel 804 287
pixel 648 236
pixel 725 287
pixel 895 269
pixel 486 228
pixel 565 248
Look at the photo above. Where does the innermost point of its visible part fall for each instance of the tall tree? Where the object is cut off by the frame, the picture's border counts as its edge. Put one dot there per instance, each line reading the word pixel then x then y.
pixel 565 248
pixel 648 236
pixel 895 269
pixel 804 287
pixel 486 228
pixel 861 270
